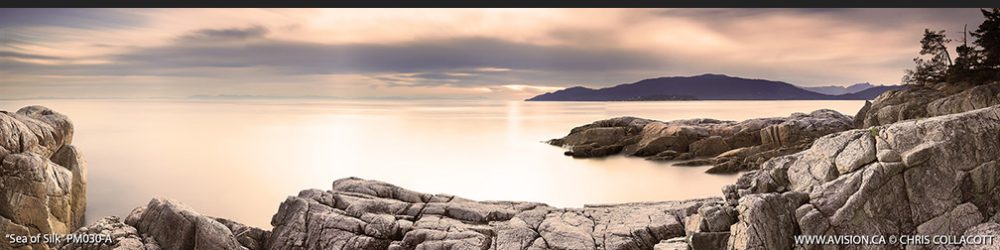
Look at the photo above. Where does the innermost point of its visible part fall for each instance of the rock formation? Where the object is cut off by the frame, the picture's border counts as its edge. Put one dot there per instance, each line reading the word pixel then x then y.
pixel 363 214
pixel 934 176
pixel 43 178
pixel 730 146
pixel 922 101
pixel 366 214
pixel 168 225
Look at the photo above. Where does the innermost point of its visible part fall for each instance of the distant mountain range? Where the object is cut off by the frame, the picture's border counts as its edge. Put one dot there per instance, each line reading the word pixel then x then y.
pixel 710 87
pixel 840 90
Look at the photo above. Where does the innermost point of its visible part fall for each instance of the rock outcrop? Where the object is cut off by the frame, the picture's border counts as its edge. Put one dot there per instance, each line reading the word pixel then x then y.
pixel 922 101
pixel 364 214
pixel 175 226
pixel 937 176
pixel 729 146
pixel 43 178
pixel 123 237
pixel 934 176
pixel 168 225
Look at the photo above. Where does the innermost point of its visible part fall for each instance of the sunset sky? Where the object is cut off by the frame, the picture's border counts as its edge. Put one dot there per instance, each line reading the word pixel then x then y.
pixel 487 53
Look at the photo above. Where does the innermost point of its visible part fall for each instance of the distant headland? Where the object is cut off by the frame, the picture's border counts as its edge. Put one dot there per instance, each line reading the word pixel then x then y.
pixel 711 87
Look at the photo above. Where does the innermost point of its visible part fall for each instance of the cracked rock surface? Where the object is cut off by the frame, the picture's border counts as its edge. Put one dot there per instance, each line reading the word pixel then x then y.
pixel 729 146
pixel 934 176
pixel 922 101
pixel 365 214
pixel 43 178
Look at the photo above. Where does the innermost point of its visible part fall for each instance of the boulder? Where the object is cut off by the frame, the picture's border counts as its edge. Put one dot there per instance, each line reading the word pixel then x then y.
pixel 43 177
pixel 175 226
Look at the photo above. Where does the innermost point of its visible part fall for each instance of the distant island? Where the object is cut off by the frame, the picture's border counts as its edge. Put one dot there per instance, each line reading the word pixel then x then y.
pixel 713 87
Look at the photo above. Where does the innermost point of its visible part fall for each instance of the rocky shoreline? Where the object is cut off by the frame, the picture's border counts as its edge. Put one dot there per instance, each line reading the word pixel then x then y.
pixel 806 174
pixel 727 145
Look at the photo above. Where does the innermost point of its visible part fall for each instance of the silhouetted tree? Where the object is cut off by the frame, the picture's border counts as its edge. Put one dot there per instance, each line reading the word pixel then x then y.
pixel 988 40
pixel 933 62
pixel 964 67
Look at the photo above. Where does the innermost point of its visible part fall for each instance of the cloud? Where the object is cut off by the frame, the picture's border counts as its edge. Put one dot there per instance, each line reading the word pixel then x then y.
pixel 19 55
pixel 70 18
pixel 225 34
pixel 872 18
pixel 434 58
pixel 500 52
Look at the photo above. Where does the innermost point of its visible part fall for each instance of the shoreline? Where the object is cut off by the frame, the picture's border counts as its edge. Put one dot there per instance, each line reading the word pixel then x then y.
pixel 834 179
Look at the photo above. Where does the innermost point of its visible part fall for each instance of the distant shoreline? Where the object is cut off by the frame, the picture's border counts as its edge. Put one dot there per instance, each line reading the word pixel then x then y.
pixel 711 87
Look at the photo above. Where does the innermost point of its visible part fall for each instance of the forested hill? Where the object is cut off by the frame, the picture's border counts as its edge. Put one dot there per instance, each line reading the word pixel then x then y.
pixel 701 87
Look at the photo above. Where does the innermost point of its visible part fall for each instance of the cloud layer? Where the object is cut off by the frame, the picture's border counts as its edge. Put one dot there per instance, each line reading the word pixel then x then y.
pixel 507 54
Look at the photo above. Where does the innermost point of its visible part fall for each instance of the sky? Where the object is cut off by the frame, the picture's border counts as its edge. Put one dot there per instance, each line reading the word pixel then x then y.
pixel 445 53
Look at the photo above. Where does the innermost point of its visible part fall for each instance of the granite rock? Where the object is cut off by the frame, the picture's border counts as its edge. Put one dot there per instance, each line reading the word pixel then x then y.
pixel 923 101
pixel 43 178
pixel 366 214
pixel 727 145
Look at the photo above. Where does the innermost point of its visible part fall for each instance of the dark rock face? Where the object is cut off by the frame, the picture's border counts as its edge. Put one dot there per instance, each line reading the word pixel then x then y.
pixel 364 214
pixel 730 146
pixel 43 179
pixel 928 176
pixel 926 101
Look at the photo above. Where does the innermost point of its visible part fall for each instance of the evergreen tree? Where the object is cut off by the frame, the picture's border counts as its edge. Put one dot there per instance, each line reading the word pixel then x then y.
pixel 964 67
pixel 933 62
pixel 988 40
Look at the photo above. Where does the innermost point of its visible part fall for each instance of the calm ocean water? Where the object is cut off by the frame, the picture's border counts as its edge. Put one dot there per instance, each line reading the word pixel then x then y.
pixel 240 158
